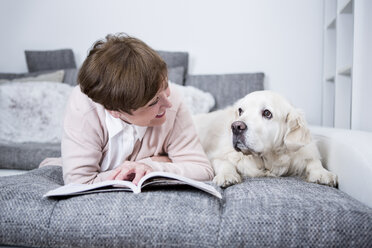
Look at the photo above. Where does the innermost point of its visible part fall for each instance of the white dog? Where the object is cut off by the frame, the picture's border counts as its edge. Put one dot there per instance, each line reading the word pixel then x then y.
pixel 262 135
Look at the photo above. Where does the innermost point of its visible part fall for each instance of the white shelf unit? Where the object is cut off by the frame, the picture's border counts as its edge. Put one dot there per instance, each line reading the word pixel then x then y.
pixel 362 69
pixel 338 63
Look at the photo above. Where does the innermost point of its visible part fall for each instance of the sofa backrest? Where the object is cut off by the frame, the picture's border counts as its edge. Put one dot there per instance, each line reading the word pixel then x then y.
pixel 227 88
pixel 176 61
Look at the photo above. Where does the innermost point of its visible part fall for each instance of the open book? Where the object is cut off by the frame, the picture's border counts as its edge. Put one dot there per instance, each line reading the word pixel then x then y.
pixel 153 178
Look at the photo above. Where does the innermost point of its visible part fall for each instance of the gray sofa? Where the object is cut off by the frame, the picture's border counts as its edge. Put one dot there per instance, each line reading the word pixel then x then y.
pixel 260 212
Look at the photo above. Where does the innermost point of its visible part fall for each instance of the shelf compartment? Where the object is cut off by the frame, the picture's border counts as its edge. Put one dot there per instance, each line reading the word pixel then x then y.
pixel 330 78
pixel 343 94
pixel 328 104
pixel 330 12
pixel 347 7
pixel 331 24
pixel 346 71
pixel 344 40
pixel 329 52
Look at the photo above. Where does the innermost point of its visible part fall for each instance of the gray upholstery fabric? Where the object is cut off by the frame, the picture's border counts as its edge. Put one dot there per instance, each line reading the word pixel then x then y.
pixel 26 156
pixel 163 217
pixel 261 212
pixel 71 76
pixel 11 76
pixel 176 75
pixel 50 60
pixel 288 212
pixel 176 59
pixel 227 88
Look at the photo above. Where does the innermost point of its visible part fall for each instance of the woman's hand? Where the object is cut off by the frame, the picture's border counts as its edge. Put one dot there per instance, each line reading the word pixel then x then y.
pixel 131 171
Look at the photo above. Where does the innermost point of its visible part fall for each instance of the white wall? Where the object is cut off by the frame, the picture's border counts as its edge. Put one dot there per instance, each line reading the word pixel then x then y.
pixel 282 38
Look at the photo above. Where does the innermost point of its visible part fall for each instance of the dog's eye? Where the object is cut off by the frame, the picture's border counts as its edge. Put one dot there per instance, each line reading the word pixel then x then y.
pixel 240 111
pixel 267 114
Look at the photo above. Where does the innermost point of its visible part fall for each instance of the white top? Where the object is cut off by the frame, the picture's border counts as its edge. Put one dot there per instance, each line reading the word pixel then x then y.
pixel 122 137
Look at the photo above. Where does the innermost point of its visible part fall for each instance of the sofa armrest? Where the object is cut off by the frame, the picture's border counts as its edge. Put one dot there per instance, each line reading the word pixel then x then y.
pixel 348 154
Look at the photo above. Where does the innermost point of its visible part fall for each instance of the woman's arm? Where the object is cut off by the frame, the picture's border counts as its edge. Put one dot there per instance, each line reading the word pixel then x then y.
pixel 184 151
pixel 81 154
pixel 83 141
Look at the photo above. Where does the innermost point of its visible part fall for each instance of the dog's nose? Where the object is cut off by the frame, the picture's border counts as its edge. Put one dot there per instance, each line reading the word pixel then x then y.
pixel 238 127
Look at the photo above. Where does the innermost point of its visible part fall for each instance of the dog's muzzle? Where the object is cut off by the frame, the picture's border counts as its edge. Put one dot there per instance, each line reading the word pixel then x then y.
pixel 238 129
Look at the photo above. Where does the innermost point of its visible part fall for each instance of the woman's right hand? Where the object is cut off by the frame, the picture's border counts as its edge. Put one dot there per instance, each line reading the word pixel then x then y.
pixel 131 171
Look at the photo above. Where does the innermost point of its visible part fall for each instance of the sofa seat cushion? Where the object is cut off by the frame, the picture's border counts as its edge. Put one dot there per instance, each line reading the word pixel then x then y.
pixel 112 219
pixel 261 212
pixel 289 212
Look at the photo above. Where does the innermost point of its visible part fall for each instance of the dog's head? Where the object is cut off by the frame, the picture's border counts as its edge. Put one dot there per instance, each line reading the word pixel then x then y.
pixel 267 122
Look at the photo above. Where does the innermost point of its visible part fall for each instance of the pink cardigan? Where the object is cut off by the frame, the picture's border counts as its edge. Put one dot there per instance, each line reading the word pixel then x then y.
pixel 85 141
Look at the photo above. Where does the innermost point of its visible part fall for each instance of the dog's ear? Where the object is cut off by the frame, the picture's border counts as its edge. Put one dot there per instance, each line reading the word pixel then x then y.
pixel 297 134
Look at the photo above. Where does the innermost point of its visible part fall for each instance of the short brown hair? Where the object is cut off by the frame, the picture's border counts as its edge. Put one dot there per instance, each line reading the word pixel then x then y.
pixel 122 73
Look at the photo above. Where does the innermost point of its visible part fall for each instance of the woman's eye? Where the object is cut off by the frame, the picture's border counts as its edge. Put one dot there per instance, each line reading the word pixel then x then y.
pixel 267 114
pixel 240 111
pixel 154 103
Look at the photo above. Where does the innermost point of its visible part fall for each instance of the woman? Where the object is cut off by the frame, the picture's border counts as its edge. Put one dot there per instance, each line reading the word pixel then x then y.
pixel 123 121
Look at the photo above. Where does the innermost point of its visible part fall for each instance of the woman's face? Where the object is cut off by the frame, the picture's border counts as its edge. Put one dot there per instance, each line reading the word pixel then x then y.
pixel 152 114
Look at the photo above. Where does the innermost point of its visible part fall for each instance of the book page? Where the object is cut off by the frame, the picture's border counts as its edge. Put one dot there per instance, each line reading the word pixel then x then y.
pixel 155 178
pixel 166 178
pixel 78 189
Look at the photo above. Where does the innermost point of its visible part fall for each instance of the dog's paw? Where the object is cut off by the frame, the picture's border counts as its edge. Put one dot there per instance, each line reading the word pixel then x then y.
pixel 225 180
pixel 322 176
pixel 268 173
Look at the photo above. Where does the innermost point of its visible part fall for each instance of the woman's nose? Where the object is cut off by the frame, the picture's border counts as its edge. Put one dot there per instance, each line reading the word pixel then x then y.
pixel 165 101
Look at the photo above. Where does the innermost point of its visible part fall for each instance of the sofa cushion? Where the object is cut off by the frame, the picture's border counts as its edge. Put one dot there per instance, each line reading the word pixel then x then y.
pixel 26 156
pixel 11 76
pixel 33 111
pixel 196 100
pixel 50 60
pixel 51 76
pixel 261 212
pixel 288 212
pixel 176 75
pixel 71 76
pixel 176 59
pixel 163 217
pixel 227 88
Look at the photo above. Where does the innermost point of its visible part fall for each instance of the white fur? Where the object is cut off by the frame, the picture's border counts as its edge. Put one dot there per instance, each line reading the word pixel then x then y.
pixel 196 100
pixel 280 146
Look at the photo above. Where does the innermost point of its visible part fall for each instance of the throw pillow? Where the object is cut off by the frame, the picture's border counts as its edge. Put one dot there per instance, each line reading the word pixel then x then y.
pixel 71 76
pixel 56 76
pixel 227 88
pixel 175 59
pixel 176 74
pixel 33 111
pixel 50 60
pixel 196 100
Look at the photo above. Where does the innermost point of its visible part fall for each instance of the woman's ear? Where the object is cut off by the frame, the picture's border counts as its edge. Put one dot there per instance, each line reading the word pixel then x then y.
pixel 297 135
